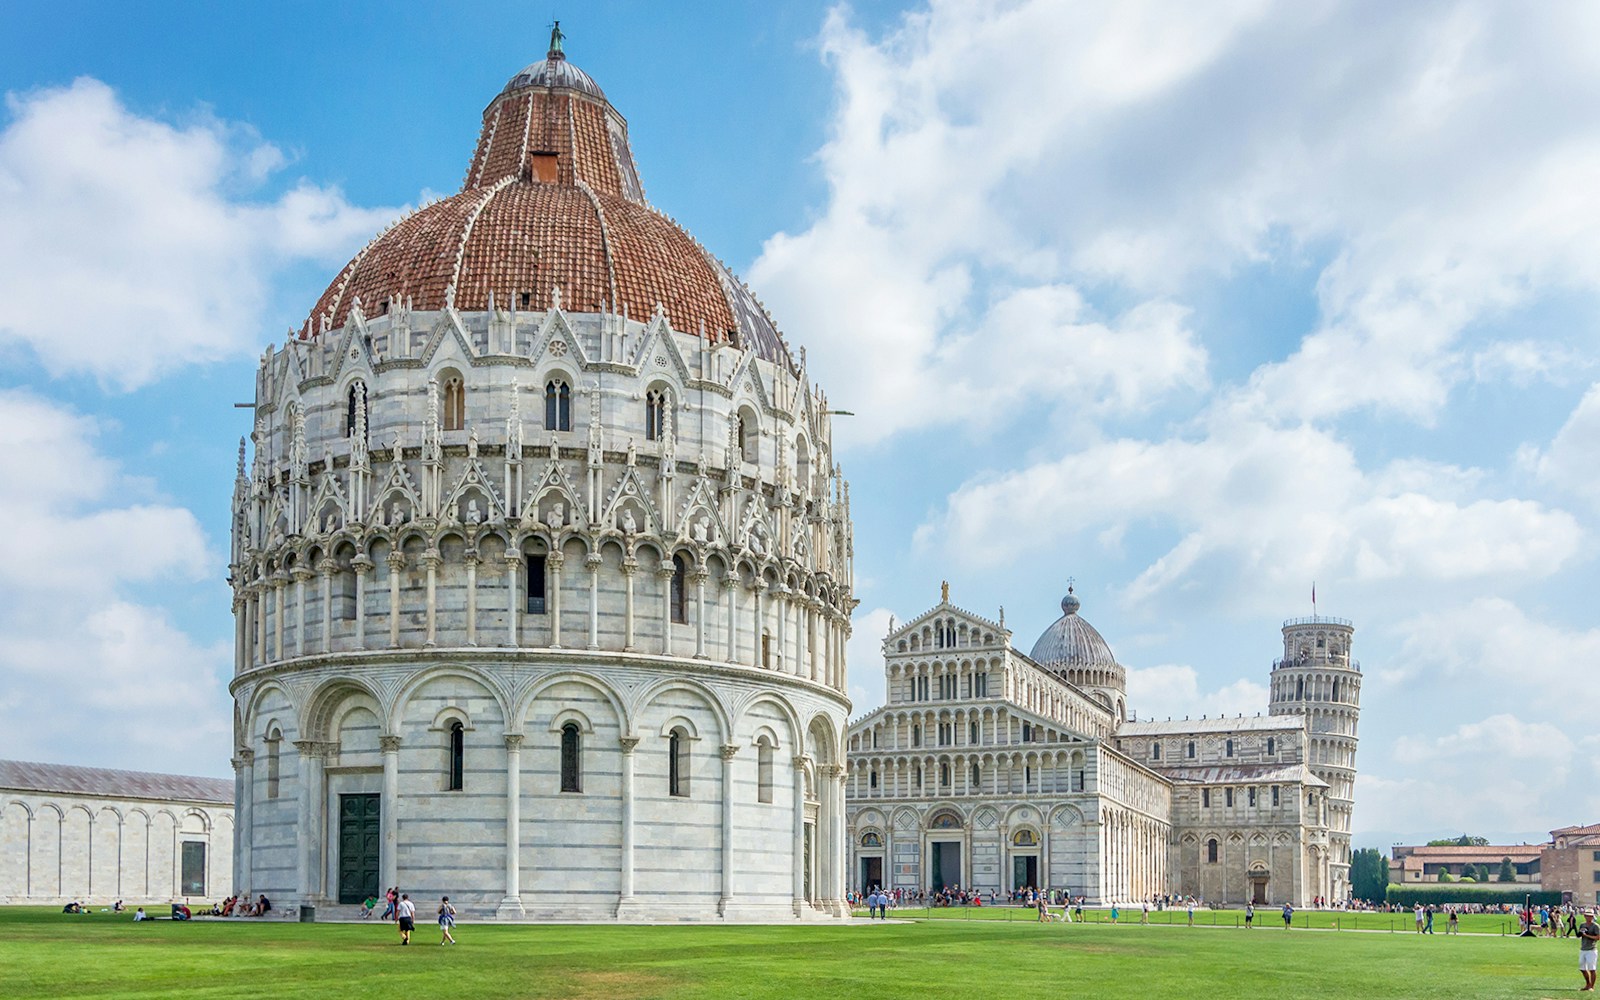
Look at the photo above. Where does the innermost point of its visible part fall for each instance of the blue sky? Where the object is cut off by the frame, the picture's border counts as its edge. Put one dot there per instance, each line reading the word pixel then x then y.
pixel 1195 307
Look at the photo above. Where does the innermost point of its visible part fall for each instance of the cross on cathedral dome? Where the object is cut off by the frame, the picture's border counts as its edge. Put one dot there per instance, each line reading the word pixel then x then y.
pixel 1071 642
pixel 551 214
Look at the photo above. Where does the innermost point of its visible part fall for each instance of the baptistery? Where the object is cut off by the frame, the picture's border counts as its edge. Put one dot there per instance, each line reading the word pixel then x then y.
pixel 541 563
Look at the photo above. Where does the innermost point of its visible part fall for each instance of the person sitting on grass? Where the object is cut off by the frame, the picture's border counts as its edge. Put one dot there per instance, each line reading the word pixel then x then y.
pixel 139 915
pixel 117 907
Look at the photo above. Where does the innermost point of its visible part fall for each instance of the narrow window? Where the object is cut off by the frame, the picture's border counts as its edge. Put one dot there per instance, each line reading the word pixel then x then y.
pixel 1252 796
pixel 1027 732
pixel 872 779
pixel 358 392
pixel 536 585
pixel 455 404
pixel 1274 796
pixel 678 764
pixel 557 406
pixel 916 736
pixel 1191 750
pixel 457 751
pixel 1205 798
pixel 571 758
pixel 274 745
pixel 749 440
pixel 680 597
pixel 980 686
pixel 944 775
pixel 1227 794
pixel 1230 748
pixel 655 414
pixel 1155 751
pixel 919 777
pixel 977 783
pixel 1077 781
pixel 1272 746
pixel 1300 689
pixel 972 733
pixel 766 650
pixel 764 771
pixel 1211 850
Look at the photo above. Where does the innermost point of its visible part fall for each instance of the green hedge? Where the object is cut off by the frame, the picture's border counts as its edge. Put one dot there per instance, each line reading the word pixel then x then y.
pixel 1435 893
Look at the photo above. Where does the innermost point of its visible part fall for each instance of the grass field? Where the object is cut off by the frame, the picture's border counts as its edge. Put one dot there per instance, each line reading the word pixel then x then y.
pixel 50 954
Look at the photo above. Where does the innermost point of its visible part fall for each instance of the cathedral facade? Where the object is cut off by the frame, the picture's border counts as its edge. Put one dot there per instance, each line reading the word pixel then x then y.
pixel 541 565
pixel 989 769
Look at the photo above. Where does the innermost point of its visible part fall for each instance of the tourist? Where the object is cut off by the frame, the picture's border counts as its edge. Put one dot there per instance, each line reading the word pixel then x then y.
pixel 447 920
pixel 117 907
pixel 391 897
pixel 1114 913
pixel 1288 915
pixel 1588 935
pixel 406 913
pixel 1144 912
pixel 1249 915
pixel 263 906
pixel 1191 911
pixel 1453 925
pixel 1427 927
pixel 1417 912
pixel 139 915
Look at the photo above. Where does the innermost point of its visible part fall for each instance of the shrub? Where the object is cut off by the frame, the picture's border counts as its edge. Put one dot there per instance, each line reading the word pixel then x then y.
pixel 1464 892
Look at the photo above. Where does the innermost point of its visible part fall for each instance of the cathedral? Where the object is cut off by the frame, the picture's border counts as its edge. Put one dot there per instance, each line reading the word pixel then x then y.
pixel 541 563
pixel 993 770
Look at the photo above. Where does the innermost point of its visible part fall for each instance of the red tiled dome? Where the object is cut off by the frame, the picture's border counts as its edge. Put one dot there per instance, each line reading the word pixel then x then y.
pixel 552 199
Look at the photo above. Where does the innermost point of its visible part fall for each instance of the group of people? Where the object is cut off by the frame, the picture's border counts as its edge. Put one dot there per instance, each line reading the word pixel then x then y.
pixel 399 908
pixel 1250 916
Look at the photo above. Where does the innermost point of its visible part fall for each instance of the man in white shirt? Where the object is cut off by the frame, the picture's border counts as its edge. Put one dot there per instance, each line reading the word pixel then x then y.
pixel 407 912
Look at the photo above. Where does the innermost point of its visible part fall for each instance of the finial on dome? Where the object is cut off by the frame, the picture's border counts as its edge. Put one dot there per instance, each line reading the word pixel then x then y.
pixel 556 38
pixel 1070 604
pixel 944 591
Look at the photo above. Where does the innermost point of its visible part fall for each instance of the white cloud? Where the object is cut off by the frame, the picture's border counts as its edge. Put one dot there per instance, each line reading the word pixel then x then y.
pixel 1572 461
pixel 129 246
pixel 1490 645
pixel 1173 691
pixel 1500 773
pixel 864 659
pixel 1432 156
pixel 1257 509
pixel 93 669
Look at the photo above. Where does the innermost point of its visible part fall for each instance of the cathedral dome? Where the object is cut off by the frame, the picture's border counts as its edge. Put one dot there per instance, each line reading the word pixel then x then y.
pixel 1071 642
pixel 551 209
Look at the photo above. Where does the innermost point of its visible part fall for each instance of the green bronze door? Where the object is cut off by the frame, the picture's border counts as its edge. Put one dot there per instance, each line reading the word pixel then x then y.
pixel 360 834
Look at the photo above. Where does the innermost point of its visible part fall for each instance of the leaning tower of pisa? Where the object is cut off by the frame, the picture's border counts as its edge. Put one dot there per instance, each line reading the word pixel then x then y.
pixel 1318 677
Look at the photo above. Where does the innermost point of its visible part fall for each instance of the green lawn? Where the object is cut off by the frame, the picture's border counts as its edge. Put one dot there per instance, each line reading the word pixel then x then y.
pixel 50 954
pixel 1266 918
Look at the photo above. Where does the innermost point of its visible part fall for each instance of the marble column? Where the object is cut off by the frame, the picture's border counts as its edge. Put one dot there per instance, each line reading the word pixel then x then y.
pixel 625 900
pixel 363 566
pixel 513 606
pixel 592 564
pixel 397 562
pixel 729 751
pixel 780 608
pixel 308 827
pixel 301 575
pixel 730 653
pixel 700 615
pixel 630 565
pixel 326 568
pixel 553 563
pixel 511 905
pixel 799 835
pixel 243 835
pixel 388 856
pixel 279 582
pixel 431 559
pixel 664 574
pixel 470 558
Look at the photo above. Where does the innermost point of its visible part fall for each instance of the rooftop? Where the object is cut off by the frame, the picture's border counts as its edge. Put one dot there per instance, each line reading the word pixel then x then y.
pixel 1243 774
pixel 27 776
pixel 1221 724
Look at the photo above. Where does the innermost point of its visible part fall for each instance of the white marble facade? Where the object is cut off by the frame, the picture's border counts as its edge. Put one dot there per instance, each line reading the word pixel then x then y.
pixel 96 836
pixel 991 769
pixel 514 579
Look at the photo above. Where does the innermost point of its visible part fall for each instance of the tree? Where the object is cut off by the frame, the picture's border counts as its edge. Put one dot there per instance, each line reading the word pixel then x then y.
pixel 1369 874
pixel 1483 873
pixel 1508 873
pixel 1444 875
pixel 1461 841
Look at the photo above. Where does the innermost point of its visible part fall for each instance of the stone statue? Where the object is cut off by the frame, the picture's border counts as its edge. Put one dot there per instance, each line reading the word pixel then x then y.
pixel 558 516
pixel 629 523
pixel 756 544
pixel 395 517
pixel 702 530
pixel 472 443
pixel 330 525
pixel 474 515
